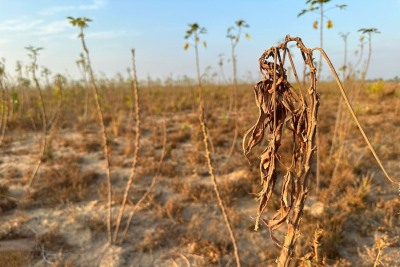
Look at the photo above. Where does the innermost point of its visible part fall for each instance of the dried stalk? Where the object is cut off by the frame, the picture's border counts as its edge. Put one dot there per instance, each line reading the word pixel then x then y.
pixel 313 258
pixel 137 142
pixel 44 120
pixel 351 110
pixel 5 112
pixel 56 115
pixel 214 181
pixel 81 64
pixel 194 32
pixel 317 244
pixel 150 188
pixel 103 132
pixel 380 245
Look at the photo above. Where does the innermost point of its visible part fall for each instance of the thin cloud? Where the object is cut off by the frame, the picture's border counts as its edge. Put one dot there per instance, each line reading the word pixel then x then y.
pixel 55 10
pixel 19 25
pixel 105 34
pixel 95 4
pixel 54 27
pixel 34 27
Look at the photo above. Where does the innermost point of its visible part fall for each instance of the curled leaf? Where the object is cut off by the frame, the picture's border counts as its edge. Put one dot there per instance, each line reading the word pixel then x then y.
pixel 329 24
pixel 186 47
pixel 302 12
pixel 315 24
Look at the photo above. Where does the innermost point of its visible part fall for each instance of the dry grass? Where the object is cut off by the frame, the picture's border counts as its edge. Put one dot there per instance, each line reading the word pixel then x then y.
pixel 180 215
pixel 15 258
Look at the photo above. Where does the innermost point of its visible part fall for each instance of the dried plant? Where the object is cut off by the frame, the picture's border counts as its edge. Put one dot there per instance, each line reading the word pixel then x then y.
pixel 381 244
pixel 33 54
pixel 282 107
pixel 82 23
pixel 136 145
pixel 81 64
pixel 193 32
pixel 152 184
pixel 4 104
pixel 313 258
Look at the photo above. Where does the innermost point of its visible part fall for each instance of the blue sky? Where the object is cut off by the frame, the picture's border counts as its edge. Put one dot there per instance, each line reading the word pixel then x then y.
pixel 155 28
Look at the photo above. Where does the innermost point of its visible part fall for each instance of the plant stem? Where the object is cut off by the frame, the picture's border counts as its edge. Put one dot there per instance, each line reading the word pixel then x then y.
pixel 103 131
pixel 196 49
pixel 321 38
pixel 303 181
pixel 208 156
pixel 150 188
pixel 136 145
pixel 365 71
pixel 44 122
pixel 351 110
pixel 5 113
pixel 234 98
pixel 215 184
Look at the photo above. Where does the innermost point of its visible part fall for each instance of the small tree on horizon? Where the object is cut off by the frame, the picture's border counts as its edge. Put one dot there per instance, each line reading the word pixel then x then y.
pixel 318 7
pixel 233 34
pixel 368 32
pixel 193 33
pixel 344 67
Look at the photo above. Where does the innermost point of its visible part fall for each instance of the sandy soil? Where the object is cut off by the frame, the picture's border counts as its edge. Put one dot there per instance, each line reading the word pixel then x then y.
pixel 61 220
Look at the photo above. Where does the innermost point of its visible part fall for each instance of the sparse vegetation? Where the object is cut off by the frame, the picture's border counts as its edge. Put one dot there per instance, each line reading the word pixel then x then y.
pixel 82 23
pixel 144 179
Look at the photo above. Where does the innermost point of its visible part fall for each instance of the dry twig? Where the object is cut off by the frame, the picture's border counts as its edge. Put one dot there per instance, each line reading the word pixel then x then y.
pixel 150 188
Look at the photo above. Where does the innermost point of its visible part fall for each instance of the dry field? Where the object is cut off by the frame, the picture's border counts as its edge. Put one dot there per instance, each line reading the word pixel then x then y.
pixel 61 219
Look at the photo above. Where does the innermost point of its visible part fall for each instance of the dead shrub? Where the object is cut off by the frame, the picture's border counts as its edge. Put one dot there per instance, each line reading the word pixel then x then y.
pixel 156 238
pixel 212 250
pixel 53 240
pixel 96 224
pixel 62 185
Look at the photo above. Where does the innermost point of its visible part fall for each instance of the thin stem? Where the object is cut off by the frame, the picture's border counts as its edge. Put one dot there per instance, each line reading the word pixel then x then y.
pixel 150 188
pixel 136 145
pixel 215 184
pixel 196 49
pixel 103 131
pixel 364 74
pixel 5 113
pixel 345 57
pixel 321 44
pixel 235 109
pixel 351 110
pixel 209 163
pixel 44 122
